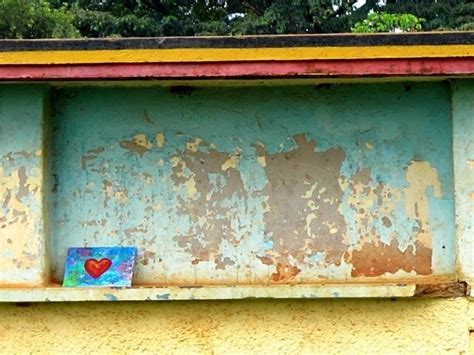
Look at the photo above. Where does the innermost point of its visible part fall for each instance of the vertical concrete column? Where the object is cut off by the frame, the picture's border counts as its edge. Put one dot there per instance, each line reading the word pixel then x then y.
pixel 24 171
pixel 463 156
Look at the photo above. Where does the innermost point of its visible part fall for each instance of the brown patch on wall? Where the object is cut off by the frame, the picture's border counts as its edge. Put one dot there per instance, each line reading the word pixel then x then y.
pixel 139 144
pixel 23 189
pixel 206 203
pixel 221 262
pixel 454 289
pixel 377 259
pixel 265 260
pixel 133 147
pixel 362 176
pixel 386 222
pixel 303 197
pixel 90 155
pixel 285 272
pixel 147 256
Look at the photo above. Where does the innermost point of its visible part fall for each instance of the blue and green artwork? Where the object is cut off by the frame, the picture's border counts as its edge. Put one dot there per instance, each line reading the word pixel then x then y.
pixel 100 266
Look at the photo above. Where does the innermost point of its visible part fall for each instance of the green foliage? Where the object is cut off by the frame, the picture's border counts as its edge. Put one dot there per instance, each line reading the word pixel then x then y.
pixel 384 22
pixel 438 15
pixel 296 16
pixel 106 18
pixel 35 19
pixel 96 18
pixel 147 18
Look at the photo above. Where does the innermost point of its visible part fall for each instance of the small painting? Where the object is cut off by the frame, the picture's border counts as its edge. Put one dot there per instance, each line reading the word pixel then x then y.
pixel 102 266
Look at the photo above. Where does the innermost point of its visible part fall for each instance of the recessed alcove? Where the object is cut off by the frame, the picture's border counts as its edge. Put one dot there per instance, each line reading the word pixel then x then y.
pixel 257 184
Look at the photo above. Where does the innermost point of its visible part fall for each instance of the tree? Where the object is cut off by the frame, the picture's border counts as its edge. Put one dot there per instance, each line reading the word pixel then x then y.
pixel 99 18
pixel 297 16
pixel 146 18
pixel 142 18
pixel 438 15
pixel 383 22
pixel 35 19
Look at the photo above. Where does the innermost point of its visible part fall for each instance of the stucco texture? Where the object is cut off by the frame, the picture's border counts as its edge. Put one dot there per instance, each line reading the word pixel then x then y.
pixel 402 326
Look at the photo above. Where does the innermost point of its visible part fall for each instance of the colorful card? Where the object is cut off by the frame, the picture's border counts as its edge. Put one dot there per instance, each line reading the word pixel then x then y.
pixel 89 267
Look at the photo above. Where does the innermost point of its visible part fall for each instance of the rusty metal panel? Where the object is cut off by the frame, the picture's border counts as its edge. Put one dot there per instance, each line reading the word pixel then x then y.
pixel 258 185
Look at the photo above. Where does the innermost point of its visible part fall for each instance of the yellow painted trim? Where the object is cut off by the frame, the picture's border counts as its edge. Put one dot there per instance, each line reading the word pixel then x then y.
pixel 232 54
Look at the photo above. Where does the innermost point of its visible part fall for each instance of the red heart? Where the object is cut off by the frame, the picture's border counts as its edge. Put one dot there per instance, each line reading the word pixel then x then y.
pixel 95 268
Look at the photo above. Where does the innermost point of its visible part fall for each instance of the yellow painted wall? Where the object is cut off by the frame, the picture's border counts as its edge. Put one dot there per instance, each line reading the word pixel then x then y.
pixel 427 326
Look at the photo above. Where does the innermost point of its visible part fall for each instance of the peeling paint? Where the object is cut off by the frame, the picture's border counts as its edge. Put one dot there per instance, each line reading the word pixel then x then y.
pixel 160 139
pixel 420 176
pixel 332 187
pixel 139 144
pixel 22 227
pixel 90 155
pixel 375 260
pixel 206 203
pixel 304 228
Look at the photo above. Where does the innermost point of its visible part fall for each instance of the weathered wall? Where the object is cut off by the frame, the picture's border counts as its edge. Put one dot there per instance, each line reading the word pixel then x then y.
pixel 258 185
pixel 265 326
pixel 233 185
pixel 422 326
pixel 463 146
pixel 23 225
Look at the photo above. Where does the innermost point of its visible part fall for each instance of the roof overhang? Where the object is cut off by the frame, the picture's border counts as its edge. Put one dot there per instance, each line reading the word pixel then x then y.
pixel 449 54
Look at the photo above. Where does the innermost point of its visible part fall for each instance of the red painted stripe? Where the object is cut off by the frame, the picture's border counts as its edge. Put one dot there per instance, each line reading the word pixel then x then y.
pixel 266 69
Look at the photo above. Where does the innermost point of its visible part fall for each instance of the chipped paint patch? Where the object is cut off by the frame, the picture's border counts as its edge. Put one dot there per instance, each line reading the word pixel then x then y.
pixel 139 144
pixel 375 260
pixel 212 181
pixel 20 192
pixel 299 221
pixel 160 139
pixel 420 176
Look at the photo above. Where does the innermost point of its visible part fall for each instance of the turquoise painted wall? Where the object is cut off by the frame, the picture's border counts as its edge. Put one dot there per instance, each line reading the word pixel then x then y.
pixel 23 236
pixel 270 184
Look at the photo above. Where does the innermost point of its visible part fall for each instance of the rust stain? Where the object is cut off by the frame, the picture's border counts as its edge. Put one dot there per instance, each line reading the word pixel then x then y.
pixel 421 175
pixel 285 272
pixel 377 259
pixel 454 289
